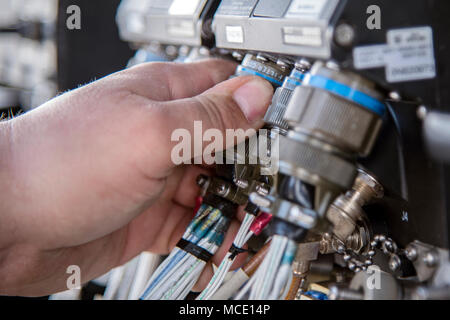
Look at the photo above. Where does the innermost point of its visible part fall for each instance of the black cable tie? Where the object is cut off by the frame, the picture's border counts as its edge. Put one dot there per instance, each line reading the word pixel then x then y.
pixel 195 250
pixel 252 208
pixel 235 251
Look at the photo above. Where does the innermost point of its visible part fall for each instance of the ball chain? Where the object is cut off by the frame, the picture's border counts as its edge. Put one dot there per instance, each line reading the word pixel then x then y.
pixel 387 245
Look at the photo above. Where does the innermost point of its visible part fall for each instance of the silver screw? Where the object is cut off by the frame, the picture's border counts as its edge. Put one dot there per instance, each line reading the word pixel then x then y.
pixel 260 57
pixel 221 190
pixel 344 34
pixel 171 50
pixel 344 294
pixel 261 190
pixel 422 112
pixel 394 95
pixel 283 64
pixel 411 252
pixel 183 51
pixel 303 65
pixel 237 55
pixel 430 259
pixel 243 184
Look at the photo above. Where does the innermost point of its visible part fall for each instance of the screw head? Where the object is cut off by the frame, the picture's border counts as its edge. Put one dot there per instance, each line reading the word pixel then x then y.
pixel 394 95
pixel 411 252
pixel 237 55
pixel 430 259
pixel 221 189
pixel 243 184
pixel 261 58
pixel 303 64
pixel 344 35
pixel 262 190
pixel 422 112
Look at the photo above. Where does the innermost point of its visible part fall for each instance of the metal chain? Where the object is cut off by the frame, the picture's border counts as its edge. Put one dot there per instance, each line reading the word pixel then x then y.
pixel 387 245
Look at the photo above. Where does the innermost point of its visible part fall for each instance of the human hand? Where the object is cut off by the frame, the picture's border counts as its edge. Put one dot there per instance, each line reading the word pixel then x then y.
pixel 87 178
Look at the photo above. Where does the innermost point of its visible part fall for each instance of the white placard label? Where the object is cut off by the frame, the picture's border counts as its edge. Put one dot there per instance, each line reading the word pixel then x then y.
pixel 309 9
pixel 303 36
pixel 183 7
pixel 235 34
pixel 412 57
pixel 407 56
pixel 370 56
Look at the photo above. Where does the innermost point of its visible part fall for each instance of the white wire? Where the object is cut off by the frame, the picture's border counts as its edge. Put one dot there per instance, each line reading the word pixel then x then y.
pixel 246 288
pixel 266 270
pixel 242 236
pixel 181 270
pixel 148 262
pixel 113 283
pixel 261 271
pixel 127 279
pixel 287 287
pixel 190 270
pixel 280 282
pixel 188 283
pixel 267 278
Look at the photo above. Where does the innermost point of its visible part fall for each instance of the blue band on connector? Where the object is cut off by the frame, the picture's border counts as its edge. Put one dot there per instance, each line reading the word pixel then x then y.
pixel 298 75
pixel 256 73
pixel 294 82
pixel 346 92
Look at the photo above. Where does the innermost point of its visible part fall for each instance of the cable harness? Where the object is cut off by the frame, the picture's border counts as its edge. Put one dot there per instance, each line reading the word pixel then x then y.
pixel 175 277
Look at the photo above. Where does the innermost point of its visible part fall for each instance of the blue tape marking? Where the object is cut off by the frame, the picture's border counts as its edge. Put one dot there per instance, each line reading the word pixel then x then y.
pixel 255 73
pixel 316 295
pixel 346 92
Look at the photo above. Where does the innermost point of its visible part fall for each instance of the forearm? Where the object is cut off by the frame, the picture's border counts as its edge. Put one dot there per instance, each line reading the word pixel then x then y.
pixel 6 184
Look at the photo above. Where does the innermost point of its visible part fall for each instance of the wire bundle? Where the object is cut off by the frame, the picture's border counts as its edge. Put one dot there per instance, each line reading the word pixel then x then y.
pixel 176 276
pixel 271 280
pixel 251 225
pixel 241 238
pixel 120 281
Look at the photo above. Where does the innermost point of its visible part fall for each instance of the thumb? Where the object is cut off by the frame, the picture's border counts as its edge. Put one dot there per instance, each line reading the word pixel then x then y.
pixel 239 103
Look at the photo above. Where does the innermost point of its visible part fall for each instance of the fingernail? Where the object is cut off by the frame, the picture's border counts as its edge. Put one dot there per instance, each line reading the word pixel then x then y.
pixel 254 98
